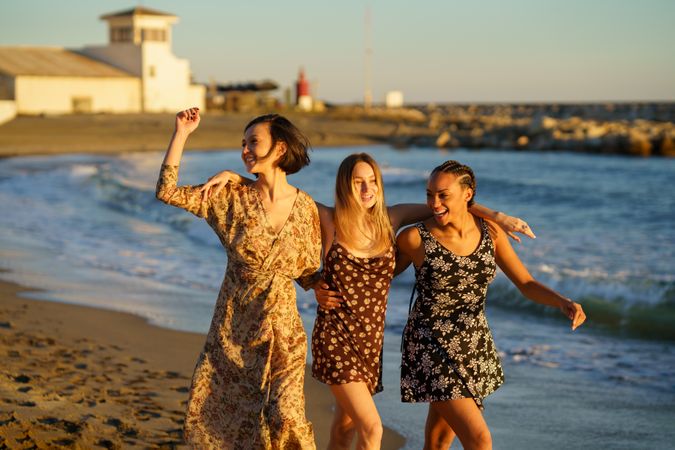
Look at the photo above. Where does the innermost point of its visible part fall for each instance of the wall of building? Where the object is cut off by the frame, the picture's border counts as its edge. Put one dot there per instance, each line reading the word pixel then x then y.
pixel 166 82
pixel 126 57
pixel 66 95
pixel 7 110
pixel 6 87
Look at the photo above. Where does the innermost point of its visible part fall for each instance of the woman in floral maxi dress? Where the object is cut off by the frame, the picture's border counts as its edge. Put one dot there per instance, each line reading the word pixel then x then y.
pixel 247 388
pixel 449 359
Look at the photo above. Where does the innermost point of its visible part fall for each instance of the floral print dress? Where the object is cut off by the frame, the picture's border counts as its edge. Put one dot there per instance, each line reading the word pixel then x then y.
pixel 448 351
pixel 347 340
pixel 247 388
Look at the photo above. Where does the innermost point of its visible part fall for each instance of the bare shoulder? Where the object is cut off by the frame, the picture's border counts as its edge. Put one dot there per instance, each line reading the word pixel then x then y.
pixel 409 238
pixel 325 212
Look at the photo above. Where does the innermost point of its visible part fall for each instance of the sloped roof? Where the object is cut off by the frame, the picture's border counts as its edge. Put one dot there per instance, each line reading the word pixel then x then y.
pixel 137 11
pixel 53 61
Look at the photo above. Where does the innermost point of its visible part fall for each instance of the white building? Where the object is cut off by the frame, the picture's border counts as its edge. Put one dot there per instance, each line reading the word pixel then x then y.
pixel 394 99
pixel 135 72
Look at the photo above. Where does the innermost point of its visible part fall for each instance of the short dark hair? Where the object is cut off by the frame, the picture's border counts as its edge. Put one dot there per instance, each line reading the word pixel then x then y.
pixel 297 144
pixel 464 173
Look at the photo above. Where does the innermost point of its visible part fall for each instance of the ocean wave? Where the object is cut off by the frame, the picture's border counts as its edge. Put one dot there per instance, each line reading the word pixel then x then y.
pixel 634 306
pixel 651 319
pixel 401 177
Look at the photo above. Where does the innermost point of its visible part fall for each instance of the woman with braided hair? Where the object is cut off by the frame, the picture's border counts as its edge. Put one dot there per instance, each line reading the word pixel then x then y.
pixel 449 359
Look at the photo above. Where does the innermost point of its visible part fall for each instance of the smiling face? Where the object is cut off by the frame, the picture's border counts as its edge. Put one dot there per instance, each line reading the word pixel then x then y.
pixel 256 149
pixel 446 196
pixel 364 184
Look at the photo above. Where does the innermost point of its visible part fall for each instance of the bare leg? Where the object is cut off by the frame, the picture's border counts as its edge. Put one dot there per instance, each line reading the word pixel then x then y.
pixel 437 433
pixel 465 419
pixel 355 400
pixel 342 430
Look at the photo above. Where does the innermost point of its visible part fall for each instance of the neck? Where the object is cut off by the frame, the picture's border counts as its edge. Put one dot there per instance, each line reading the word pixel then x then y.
pixel 459 224
pixel 272 183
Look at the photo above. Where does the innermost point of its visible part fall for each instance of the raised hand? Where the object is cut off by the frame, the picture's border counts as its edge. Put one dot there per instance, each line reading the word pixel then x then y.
pixel 217 182
pixel 187 121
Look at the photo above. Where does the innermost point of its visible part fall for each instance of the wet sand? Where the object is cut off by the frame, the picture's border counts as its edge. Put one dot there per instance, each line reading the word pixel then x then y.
pixel 151 132
pixel 80 377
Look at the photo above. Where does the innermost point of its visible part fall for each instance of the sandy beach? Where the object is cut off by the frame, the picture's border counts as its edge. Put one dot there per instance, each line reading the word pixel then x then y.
pixel 79 377
pixel 150 132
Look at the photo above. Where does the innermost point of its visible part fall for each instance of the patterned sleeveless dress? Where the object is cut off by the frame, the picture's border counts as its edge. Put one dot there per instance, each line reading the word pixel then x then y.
pixel 448 351
pixel 347 340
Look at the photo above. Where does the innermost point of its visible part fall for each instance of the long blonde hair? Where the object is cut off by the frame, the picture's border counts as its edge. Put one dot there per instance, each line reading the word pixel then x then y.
pixel 352 221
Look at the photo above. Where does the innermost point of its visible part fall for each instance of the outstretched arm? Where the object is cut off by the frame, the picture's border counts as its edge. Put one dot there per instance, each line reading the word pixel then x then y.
pixel 508 261
pixel 511 225
pixel 408 213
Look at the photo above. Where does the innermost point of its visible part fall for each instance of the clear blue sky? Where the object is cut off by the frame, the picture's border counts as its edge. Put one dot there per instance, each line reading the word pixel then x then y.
pixel 432 50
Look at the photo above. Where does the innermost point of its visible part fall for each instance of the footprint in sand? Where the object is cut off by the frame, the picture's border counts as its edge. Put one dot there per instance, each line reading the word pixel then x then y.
pixel 147 414
pixel 9 419
pixel 105 443
pixel 122 427
pixel 22 378
pixel 62 442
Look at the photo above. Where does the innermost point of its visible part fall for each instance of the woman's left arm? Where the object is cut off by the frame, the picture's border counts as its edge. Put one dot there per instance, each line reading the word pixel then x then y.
pixel 510 263
pixel 408 213
pixel 511 225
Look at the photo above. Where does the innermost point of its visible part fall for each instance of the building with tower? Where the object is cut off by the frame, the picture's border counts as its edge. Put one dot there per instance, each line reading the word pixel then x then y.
pixel 135 72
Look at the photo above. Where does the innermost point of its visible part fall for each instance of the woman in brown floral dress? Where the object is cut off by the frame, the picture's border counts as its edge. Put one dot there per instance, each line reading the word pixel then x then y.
pixel 449 359
pixel 247 389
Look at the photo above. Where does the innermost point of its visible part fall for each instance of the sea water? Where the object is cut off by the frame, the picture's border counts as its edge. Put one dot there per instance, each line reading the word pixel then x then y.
pixel 89 230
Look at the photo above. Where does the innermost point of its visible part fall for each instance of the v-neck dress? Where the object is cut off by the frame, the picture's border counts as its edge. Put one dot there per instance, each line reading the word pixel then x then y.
pixel 448 350
pixel 247 388
pixel 347 340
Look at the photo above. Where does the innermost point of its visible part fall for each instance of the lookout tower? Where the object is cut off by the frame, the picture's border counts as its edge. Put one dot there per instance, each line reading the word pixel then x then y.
pixel 140 25
pixel 140 44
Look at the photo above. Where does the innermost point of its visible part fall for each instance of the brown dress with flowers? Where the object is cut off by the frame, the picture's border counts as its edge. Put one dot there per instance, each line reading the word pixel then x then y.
pixel 247 388
pixel 347 340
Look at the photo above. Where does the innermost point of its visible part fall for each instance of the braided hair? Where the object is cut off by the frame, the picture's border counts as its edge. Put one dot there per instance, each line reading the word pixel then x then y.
pixel 463 173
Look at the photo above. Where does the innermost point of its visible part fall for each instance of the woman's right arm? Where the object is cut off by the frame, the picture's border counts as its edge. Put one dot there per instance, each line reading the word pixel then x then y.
pixel 168 191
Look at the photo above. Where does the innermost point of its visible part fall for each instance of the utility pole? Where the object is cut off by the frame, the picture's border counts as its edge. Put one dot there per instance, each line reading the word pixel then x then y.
pixel 368 56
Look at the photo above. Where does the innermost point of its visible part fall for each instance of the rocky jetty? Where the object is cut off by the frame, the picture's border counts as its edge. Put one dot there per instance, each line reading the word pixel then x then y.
pixel 638 129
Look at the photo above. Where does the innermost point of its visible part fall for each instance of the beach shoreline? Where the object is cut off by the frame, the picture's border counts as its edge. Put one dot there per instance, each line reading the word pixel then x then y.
pixel 119 133
pixel 82 376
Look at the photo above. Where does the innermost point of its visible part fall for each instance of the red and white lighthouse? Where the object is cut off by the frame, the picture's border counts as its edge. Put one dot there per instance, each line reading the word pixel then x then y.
pixel 303 98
